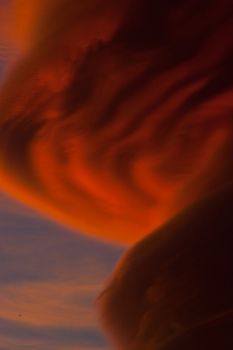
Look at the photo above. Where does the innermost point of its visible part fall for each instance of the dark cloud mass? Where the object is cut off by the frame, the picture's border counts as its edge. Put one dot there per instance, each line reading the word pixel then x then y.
pixel 173 290
pixel 120 113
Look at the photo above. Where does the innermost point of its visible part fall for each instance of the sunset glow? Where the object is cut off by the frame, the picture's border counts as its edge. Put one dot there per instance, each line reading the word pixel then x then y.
pixel 116 149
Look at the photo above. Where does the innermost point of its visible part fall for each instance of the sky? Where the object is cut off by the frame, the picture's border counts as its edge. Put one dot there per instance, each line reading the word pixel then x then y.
pixel 49 280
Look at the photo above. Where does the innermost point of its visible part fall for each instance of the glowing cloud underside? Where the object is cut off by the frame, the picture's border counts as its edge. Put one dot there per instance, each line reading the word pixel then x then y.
pixel 120 113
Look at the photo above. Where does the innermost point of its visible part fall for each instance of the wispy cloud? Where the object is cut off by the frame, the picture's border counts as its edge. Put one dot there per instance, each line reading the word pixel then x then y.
pixel 62 304
pixel 49 280
pixel 85 336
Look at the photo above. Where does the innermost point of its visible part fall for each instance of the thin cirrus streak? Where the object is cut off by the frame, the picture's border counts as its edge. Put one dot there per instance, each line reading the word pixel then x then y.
pixel 120 113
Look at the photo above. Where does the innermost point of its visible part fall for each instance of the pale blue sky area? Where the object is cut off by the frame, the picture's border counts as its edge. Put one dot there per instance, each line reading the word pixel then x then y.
pixel 49 280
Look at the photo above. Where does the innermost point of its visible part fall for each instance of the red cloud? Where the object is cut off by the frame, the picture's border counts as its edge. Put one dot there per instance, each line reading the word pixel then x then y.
pixel 120 113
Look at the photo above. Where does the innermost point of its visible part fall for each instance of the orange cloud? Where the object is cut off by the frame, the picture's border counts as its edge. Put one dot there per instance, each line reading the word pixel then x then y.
pixel 24 17
pixel 120 113
pixel 173 290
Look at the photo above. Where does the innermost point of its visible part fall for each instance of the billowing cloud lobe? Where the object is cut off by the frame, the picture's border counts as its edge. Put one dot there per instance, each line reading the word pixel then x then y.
pixel 173 290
